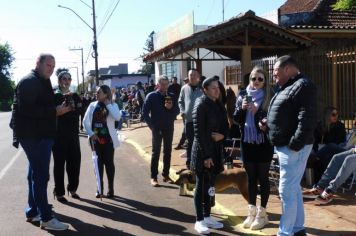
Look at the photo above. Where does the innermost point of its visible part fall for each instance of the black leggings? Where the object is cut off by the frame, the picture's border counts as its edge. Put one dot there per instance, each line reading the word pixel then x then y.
pixel 258 173
pixel 201 197
pixel 105 154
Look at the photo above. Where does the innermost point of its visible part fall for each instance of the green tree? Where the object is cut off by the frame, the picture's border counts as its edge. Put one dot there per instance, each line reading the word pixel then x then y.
pixel 7 86
pixel 147 67
pixel 344 4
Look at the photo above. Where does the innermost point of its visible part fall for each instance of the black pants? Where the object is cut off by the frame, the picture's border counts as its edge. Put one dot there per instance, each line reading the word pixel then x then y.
pixel 189 133
pixel 157 136
pixel 258 172
pixel 183 137
pixel 204 180
pixel 66 153
pixel 105 154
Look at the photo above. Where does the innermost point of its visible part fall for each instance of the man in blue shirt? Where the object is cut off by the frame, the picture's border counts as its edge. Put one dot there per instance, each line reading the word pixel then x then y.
pixel 159 111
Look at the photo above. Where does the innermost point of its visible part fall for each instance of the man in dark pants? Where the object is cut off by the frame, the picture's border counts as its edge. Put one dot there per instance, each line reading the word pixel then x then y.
pixel 159 112
pixel 66 149
pixel 34 125
pixel 188 94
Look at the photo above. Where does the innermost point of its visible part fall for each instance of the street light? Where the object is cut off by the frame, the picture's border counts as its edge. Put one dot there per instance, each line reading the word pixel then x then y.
pixel 95 43
pixel 76 67
pixel 81 50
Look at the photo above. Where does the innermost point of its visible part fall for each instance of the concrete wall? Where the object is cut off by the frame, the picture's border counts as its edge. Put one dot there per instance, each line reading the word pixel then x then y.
pixel 127 80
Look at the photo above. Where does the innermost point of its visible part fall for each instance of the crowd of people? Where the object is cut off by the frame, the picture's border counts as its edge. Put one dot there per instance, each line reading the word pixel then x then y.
pixel 280 119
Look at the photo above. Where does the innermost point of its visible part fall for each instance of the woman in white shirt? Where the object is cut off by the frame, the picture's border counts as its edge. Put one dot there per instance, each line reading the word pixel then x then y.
pixel 99 123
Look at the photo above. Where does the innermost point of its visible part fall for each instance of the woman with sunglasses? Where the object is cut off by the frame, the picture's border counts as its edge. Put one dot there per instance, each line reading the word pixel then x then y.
pixel 250 113
pixel 99 123
pixel 329 136
pixel 66 148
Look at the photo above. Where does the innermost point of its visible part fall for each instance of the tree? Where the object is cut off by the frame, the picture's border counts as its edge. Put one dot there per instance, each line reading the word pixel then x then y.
pixel 7 86
pixel 147 67
pixel 344 4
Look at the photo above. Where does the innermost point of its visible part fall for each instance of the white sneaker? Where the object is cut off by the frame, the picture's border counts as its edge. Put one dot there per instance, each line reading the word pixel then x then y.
pixel 211 223
pixel 261 219
pixel 54 224
pixel 252 211
pixel 201 227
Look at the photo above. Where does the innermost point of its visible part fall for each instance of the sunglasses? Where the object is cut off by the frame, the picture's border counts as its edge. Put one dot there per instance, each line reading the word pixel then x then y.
pixel 334 114
pixel 66 78
pixel 260 79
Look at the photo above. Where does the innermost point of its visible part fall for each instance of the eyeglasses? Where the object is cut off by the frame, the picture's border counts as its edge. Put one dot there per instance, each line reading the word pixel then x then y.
pixel 260 79
pixel 334 114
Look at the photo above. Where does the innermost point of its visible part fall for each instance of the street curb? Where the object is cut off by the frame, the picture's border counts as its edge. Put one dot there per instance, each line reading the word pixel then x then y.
pixel 235 221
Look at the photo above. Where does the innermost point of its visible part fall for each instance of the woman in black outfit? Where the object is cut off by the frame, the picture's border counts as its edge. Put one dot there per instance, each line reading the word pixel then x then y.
pixel 210 128
pixel 257 152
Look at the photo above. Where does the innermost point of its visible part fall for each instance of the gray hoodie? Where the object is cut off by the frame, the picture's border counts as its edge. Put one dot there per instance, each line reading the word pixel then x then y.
pixel 187 98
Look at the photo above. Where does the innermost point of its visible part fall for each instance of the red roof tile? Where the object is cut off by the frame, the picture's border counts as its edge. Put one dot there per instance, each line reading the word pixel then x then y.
pixel 324 15
pixel 297 6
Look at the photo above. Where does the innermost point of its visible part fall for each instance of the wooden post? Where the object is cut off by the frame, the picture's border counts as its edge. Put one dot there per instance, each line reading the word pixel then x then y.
pixel 245 60
pixel 198 65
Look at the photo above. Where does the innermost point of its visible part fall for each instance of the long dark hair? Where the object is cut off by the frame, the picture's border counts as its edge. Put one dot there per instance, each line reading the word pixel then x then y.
pixel 106 90
pixel 325 122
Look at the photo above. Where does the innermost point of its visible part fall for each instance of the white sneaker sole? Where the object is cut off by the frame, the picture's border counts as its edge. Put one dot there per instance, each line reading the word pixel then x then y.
pixel 215 226
pixel 54 229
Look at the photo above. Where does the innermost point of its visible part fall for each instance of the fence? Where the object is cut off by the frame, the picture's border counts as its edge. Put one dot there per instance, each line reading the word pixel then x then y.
pixel 333 72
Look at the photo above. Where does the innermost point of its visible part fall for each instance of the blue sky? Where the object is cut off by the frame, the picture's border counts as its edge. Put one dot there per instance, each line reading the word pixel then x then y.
pixel 34 26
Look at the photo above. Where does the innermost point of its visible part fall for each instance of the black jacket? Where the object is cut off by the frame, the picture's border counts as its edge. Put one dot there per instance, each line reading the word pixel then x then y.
pixel 292 113
pixel 208 117
pixel 156 115
pixel 68 124
pixel 240 115
pixel 34 110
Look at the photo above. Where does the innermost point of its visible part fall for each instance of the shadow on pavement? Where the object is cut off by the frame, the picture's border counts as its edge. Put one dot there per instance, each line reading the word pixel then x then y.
pixel 83 228
pixel 133 216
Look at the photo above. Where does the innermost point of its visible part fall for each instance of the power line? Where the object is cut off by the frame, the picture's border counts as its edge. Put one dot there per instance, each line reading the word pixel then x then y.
pixel 109 17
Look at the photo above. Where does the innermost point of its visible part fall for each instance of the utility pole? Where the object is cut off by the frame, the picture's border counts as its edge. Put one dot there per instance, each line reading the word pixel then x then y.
pixel 95 46
pixel 95 43
pixel 223 10
pixel 81 50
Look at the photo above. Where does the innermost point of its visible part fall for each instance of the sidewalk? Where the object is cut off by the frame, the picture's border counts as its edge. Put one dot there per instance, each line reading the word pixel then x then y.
pixel 335 219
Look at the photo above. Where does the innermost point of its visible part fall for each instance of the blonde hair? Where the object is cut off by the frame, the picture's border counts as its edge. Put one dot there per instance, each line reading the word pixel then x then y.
pixel 266 86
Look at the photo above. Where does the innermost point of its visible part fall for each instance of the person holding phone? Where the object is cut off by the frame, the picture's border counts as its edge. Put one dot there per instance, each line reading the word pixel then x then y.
pixel 99 123
pixel 159 111
pixel 250 112
pixel 210 129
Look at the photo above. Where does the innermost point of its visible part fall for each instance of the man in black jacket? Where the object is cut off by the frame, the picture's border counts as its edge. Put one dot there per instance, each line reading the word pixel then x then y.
pixel 291 122
pixel 34 126
pixel 159 111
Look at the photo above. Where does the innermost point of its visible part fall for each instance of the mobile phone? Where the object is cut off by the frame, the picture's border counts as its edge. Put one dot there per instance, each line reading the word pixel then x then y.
pixel 248 98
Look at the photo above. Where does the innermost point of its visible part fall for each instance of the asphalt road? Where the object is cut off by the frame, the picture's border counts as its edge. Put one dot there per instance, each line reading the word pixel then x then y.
pixel 137 209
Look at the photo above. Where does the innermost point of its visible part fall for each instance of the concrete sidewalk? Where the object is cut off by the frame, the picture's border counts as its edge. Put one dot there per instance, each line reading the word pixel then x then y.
pixel 337 218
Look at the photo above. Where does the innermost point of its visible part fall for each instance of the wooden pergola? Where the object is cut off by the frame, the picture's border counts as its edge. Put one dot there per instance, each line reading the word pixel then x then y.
pixel 242 38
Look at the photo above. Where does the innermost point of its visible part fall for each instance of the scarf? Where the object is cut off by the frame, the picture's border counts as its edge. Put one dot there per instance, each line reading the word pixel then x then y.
pixel 250 130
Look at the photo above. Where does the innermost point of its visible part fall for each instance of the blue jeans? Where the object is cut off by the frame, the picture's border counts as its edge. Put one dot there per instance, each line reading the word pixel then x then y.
pixel 292 167
pixel 341 166
pixel 38 153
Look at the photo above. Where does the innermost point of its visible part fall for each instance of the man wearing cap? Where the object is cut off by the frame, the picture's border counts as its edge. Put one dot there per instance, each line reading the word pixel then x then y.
pixel 187 97
pixel 66 148
pixel 159 111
